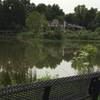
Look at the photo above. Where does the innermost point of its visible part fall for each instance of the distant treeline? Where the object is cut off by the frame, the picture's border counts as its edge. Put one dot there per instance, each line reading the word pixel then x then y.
pixel 88 18
pixel 13 14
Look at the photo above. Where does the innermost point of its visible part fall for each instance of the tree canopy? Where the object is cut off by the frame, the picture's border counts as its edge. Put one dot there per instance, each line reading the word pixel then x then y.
pixel 35 21
pixel 84 17
pixel 13 14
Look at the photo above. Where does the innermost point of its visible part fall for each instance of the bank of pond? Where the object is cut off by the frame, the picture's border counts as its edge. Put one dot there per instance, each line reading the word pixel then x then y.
pixel 62 34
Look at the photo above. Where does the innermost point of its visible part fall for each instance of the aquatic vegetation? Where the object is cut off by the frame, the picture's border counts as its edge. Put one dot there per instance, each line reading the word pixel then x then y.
pixel 84 59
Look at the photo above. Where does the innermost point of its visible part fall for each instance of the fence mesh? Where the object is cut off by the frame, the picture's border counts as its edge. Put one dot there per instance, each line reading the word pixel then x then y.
pixel 72 88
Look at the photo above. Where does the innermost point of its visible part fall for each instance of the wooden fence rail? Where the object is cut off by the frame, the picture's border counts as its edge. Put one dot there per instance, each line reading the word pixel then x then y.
pixel 83 87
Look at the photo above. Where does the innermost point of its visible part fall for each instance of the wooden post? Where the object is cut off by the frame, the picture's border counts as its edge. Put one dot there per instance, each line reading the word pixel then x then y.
pixel 94 88
pixel 46 93
pixel 95 97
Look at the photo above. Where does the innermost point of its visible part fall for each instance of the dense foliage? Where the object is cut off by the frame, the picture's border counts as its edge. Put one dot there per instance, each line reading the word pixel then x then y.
pixel 13 13
pixel 84 59
pixel 21 15
pixel 36 22
pixel 88 18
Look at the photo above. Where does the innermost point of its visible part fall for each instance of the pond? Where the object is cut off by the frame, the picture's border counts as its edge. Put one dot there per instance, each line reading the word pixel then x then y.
pixel 29 61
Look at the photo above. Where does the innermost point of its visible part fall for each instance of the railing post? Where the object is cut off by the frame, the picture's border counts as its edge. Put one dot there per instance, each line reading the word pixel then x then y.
pixel 94 88
pixel 95 97
pixel 46 93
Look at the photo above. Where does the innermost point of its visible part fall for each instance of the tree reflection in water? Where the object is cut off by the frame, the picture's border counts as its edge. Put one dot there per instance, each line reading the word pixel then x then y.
pixel 19 60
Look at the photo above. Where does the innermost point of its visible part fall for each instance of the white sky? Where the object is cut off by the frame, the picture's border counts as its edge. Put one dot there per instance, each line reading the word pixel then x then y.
pixel 68 5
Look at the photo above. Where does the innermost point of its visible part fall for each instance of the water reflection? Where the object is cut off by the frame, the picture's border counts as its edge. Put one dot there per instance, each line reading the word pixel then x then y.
pixel 24 62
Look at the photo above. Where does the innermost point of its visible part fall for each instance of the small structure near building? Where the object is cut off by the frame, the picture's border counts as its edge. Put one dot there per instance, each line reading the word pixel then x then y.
pixel 64 25
pixel 54 23
pixel 74 27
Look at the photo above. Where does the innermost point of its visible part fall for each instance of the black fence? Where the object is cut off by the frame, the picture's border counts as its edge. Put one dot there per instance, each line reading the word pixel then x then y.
pixel 84 87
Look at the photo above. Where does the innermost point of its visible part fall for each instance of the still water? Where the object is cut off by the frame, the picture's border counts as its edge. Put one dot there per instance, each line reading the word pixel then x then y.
pixel 27 61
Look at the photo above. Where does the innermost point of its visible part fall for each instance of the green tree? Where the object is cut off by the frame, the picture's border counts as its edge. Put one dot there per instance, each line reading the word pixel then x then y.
pixel 29 7
pixel 32 7
pixel 54 12
pixel 90 17
pixel 41 8
pixel 81 12
pixel 97 19
pixel 13 14
pixel 97 30
pixel 1 14
pixel 71 18
pixel 48 13
pixel 25 2
pixel 35 21
pixel 84 17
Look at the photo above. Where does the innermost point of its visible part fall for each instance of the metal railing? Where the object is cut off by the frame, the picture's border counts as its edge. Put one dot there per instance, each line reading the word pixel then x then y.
pixel 71 88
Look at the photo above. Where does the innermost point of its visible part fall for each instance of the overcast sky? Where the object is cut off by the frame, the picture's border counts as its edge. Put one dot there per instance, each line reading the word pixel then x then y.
pixel 68 5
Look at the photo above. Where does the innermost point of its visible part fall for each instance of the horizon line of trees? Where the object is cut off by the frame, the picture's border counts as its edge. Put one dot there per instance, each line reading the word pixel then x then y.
pixel 14 15
pixel 88 18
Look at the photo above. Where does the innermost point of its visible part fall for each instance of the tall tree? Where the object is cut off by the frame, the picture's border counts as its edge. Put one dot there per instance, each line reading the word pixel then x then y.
pixel 48 13
pixel 14 14
pixel 1 14
pixel 25 2
pixel 97 19
pixel 90 17
pixel 57 11
pixel 41 8
pixel 28 6
pixel 71 18
pixel 35 21
pixel 81 12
